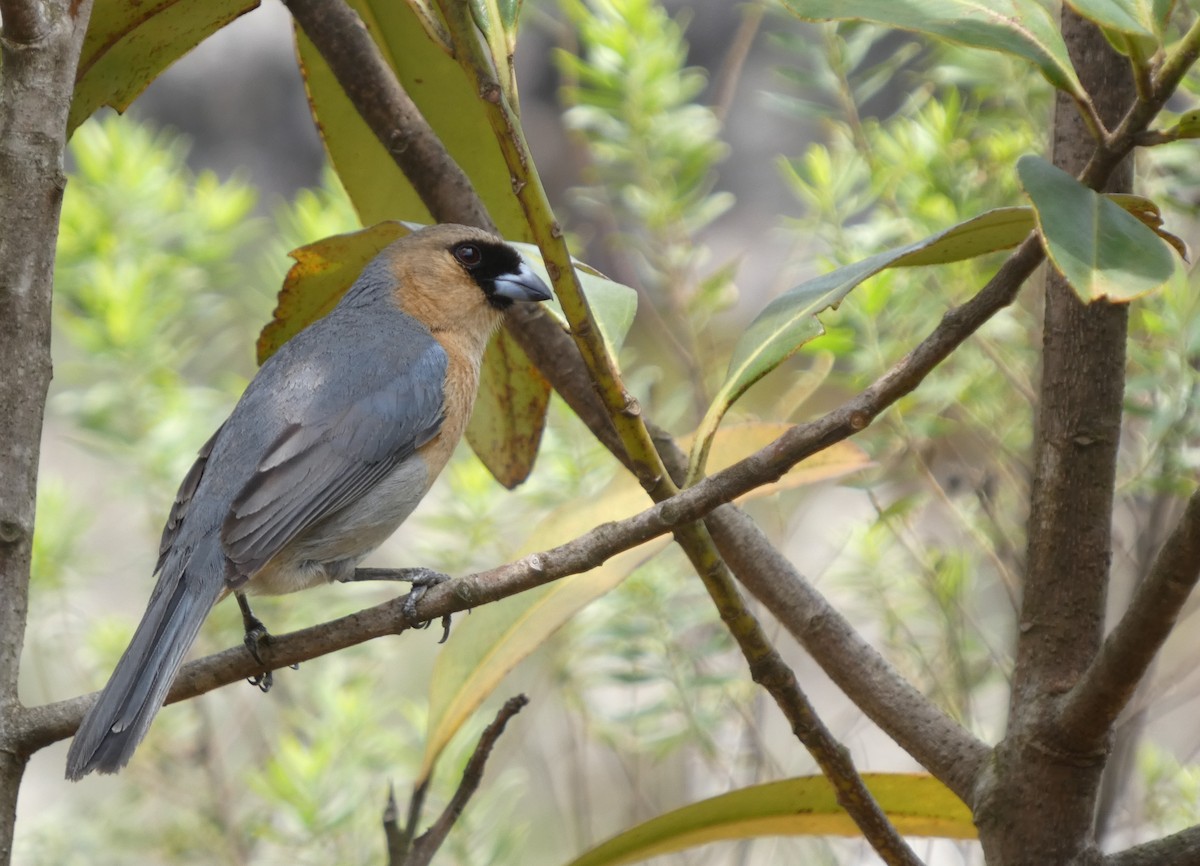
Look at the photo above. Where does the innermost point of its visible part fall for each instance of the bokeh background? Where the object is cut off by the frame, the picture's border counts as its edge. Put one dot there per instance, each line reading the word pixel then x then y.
pixel 806 147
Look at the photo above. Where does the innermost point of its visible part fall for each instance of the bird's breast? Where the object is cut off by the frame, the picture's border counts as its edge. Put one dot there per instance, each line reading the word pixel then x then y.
pixel 463 360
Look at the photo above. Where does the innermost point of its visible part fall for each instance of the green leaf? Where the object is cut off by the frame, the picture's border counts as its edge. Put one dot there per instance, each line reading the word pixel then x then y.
pixel 1133 27
pixel 1099 248
pixel 128 45
pixel 789 321
pixel 1022 28
pixel 506 425
pixel 406 36
pixel 510 15
pixel 1188 126
pixel 480 14
pixel 1144 19
pixel 997 229
pixel 807 806
pixel 613 304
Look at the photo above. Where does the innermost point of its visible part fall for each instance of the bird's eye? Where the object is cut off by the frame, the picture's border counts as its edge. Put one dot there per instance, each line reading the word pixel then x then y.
pixel 468 254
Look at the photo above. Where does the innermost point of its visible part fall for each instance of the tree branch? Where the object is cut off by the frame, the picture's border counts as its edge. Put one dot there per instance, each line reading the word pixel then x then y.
pixel 769 670
pixel 342 38
pixel 1178 849
pixel 427 844
pixel 1092 707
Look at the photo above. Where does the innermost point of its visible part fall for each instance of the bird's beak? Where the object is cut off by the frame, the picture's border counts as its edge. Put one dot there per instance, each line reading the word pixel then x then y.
pixel 523 285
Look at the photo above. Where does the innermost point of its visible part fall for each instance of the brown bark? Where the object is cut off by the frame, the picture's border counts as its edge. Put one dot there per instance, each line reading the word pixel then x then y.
pixel 1037 803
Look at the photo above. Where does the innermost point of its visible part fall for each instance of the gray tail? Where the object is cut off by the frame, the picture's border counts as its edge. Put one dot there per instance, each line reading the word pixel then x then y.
pixel 116 723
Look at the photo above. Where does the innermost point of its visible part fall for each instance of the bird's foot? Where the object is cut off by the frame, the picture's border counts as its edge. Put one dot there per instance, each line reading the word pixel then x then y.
pixel 422 579
pixel 256 636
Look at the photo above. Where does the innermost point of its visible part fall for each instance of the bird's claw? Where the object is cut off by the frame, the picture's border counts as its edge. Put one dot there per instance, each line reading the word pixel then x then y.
pixel 256 636
pixel 421 583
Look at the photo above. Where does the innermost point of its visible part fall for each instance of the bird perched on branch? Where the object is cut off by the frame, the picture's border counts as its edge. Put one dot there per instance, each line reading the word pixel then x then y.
pixel 332 445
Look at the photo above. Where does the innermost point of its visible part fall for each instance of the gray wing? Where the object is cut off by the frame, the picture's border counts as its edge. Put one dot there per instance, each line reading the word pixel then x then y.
pixel 183 499
pixel 331 455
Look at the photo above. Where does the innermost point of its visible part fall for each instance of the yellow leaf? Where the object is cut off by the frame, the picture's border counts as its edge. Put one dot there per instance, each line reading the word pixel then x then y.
pixel 917 805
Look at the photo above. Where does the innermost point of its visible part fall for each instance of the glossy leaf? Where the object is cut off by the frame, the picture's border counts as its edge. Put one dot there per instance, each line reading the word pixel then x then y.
pixel 321 275
pixel 1021 28
pixel 506 425
pixel 789 321
pixel 613 304
pixel 1145 19
pixel 128 45
pixel 1101 249
pixel 495 638
pixel 917 805
pixel 447 100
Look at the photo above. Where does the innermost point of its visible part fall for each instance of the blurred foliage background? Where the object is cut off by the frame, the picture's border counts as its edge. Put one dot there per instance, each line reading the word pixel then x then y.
pixel 641 704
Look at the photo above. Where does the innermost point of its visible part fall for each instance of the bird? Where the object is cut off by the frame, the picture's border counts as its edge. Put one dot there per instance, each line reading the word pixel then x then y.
pixel 329 449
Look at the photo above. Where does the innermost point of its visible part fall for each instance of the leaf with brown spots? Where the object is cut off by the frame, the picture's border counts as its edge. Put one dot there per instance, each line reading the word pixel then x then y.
pixel 321 275
pixel 128 45
pixel 510 412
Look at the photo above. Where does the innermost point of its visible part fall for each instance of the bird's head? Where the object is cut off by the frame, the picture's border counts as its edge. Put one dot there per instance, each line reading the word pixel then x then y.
pixel 454 278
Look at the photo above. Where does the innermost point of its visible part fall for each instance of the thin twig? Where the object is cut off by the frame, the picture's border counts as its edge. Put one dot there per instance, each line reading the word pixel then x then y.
pixel 769 670
pixel 427 844
pixel 727 78
pixel 397 844
pixel 416 805
pixel 1107 685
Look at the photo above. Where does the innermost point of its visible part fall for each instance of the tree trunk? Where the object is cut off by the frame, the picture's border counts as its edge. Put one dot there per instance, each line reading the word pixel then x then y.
pixel 1037 800
pixel 41 47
